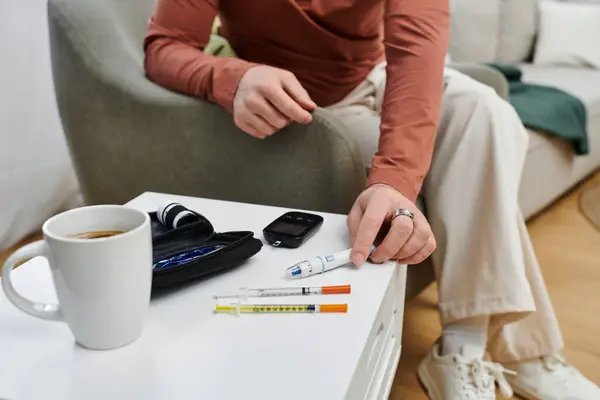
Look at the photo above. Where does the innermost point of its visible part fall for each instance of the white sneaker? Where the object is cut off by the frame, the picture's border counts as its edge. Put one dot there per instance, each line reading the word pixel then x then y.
pixel 464 376
pixel 551 378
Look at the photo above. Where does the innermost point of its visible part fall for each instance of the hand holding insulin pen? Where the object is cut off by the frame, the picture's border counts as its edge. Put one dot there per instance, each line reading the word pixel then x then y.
pixel 320 264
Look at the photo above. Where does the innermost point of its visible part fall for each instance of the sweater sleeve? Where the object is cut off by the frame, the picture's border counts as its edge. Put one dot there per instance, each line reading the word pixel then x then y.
pixel 416 40
pixel 177 33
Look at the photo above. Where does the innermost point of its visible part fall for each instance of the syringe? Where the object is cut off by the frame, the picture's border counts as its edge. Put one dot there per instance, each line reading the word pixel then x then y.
pixel 287 291
pixel 280 308
pixel 320 264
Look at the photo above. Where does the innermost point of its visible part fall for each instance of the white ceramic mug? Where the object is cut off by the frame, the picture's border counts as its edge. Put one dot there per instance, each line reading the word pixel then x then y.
pixel 103 285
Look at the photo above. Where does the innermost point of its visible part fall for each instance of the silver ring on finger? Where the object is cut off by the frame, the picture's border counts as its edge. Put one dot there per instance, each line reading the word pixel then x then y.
pixel 403 212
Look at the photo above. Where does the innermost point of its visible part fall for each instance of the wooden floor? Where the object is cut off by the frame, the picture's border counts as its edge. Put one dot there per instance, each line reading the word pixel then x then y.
pixel 568 248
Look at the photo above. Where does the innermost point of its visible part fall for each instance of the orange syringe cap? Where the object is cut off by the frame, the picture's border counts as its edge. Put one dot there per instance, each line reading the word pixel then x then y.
pixel 333 308
pixel 341 289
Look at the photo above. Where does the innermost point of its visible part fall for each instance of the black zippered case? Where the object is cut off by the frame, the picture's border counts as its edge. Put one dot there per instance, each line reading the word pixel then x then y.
pixel 235 248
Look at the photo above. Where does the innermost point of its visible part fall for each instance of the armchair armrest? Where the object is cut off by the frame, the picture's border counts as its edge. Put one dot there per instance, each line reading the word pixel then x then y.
pixel 127 135
pixel 486 75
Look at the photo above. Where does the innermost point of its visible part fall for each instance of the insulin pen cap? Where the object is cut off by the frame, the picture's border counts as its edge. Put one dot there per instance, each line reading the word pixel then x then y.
pixel 174 215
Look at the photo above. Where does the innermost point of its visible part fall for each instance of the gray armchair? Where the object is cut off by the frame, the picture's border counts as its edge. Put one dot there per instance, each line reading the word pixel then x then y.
pixel 127 135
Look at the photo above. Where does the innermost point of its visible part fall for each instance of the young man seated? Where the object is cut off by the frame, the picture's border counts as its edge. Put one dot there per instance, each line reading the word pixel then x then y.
pixel 379 65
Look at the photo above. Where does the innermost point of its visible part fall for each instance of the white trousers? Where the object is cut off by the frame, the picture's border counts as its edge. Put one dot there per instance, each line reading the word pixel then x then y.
pixel 484 263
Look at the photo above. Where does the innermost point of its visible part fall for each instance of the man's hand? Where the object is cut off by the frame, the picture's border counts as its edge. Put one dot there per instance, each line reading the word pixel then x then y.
pixel 409 241
pixel 268 99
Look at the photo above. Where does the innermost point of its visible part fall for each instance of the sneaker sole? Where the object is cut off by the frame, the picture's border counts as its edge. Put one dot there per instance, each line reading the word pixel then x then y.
pixel 526 396
pixel 423 376
pixel 423 388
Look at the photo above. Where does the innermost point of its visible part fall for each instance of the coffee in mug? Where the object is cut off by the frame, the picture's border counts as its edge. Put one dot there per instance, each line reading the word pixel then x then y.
pixel 96 234
pixel 101 263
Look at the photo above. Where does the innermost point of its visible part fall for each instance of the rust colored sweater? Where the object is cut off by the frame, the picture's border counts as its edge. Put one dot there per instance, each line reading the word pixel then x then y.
pixel 331 46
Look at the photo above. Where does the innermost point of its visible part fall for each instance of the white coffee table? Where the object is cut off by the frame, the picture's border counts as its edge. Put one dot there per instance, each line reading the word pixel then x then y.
pixel 186 352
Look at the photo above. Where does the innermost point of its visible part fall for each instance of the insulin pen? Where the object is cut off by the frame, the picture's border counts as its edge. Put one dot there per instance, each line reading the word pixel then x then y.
pixel 288 291
pixel 320 264
pixel 280 308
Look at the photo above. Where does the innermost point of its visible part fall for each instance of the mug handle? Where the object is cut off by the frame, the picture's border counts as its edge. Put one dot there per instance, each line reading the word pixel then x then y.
pixel 40 310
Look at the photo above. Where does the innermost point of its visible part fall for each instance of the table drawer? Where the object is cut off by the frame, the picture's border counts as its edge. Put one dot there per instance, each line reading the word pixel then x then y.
pixel 383 376
pixel 385 330
pixel 381 352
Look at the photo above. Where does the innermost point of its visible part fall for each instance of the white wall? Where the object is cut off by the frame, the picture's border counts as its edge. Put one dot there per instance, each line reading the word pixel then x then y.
pixel 36 176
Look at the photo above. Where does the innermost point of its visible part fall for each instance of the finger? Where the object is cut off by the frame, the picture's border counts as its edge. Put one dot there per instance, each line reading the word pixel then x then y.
pixel 420 255
pixel 353 222
pixel 262 107
pixel 400 231
pixel 368 228
pixel 297 92
pixel 288 106
pixel 419 237
pixel 262 125
pixel 251 130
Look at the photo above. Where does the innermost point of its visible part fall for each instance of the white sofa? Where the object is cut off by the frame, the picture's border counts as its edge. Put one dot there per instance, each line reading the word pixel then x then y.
pixel 505 31
pixel 36 173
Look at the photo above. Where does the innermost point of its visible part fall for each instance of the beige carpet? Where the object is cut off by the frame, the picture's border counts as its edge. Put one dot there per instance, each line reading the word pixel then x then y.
pixel 589 203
